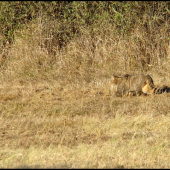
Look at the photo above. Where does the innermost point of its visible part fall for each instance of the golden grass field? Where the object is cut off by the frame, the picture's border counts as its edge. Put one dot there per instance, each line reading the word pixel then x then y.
pixel 58 111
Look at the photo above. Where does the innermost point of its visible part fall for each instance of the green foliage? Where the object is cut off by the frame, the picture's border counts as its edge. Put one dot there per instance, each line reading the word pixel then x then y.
pixel 72 15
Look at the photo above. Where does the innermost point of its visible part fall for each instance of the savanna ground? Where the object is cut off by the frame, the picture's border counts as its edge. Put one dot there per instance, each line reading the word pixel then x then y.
pixel 57 110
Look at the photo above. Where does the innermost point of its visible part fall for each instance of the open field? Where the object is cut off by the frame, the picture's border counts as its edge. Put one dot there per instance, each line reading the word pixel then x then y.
pixel 46 125
pixel 56 106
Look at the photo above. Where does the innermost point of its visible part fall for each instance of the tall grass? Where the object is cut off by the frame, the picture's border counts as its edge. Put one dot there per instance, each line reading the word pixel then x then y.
pixel 56 106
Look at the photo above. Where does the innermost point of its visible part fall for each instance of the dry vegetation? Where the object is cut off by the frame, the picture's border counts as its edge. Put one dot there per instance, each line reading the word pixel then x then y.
pixel 57 110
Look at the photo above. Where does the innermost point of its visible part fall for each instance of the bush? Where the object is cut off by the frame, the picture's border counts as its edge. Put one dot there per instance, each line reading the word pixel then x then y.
pixel 143 24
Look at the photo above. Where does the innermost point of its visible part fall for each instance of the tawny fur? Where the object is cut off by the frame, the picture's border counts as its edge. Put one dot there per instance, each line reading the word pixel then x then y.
pixel 132 85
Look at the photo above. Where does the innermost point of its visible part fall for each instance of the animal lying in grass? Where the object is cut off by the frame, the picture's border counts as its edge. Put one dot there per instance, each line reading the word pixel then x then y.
pixel 135 85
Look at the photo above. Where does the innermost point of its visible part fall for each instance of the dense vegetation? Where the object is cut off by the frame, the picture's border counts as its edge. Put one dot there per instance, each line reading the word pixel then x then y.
pixel 70 16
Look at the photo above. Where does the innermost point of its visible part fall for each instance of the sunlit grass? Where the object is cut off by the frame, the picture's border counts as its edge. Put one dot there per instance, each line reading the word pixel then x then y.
pixel 59 112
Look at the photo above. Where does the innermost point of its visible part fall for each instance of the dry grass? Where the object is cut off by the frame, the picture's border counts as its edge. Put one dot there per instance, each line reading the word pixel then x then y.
pixel 58 111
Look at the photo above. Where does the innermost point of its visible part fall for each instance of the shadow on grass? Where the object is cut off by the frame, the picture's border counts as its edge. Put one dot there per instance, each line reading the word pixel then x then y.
pixel 42 167
pixel 62 166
